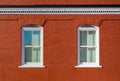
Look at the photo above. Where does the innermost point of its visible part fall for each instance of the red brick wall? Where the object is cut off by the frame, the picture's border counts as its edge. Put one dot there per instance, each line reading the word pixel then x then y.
pixel 53 2
pixel 60 48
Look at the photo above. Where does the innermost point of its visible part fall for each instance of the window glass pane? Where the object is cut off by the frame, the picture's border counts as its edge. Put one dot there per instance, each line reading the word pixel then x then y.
pixel 83 38
pixel 36 55
pixel 36 38
pixel 83 54
pixel 87 55
pixel 28 54
pixel 91 38
pixel 32 54
pixel 28 38
pixel 91 56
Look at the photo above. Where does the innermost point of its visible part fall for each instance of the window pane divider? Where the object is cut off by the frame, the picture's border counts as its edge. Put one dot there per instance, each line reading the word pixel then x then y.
pixel 89 46
pixel 32 46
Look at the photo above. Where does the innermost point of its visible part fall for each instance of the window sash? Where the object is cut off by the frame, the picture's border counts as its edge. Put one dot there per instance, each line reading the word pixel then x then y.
pixel 87 38
pixel 32 55
pixel 87 55
pixel 32 46
pixel 31 39
pixel 88 58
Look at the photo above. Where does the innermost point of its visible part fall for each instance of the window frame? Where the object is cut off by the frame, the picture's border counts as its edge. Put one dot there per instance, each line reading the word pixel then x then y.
pixel 84 64
pixel 32 64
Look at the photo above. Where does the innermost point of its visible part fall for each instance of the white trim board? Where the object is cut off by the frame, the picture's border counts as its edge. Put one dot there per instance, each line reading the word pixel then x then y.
pixel 49 10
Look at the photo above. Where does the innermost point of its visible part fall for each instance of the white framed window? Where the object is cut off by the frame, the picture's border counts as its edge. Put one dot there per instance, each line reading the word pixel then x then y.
pixel 88 46
pixel 32 46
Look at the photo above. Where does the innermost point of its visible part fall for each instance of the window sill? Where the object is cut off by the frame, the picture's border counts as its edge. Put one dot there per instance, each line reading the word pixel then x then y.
pixel 31 65
pixel 88 66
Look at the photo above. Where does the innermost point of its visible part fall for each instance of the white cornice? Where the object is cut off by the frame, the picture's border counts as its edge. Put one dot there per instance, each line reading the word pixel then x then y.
pixel 83 10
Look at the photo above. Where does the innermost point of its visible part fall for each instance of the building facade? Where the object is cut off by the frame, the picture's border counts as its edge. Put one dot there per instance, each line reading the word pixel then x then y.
pixel 78 42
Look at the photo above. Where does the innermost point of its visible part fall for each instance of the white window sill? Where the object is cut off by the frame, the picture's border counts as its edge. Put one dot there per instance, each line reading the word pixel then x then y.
pixel 88 66
pixel 31 65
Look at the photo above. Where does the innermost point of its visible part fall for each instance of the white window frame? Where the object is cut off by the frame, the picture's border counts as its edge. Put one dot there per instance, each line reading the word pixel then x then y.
pixel 32 64
pixel 84 64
